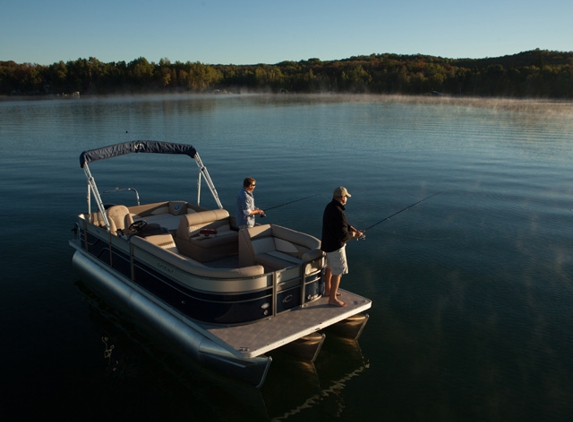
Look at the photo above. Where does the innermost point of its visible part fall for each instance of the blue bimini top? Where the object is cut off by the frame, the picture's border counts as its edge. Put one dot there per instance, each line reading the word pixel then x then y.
pixel 150 147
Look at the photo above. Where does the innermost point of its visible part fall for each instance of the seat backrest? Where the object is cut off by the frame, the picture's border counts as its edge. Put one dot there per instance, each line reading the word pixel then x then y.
pixel 261 238
pixel 289 237
pixel 191 224
pixel 119 218
pixel 253 241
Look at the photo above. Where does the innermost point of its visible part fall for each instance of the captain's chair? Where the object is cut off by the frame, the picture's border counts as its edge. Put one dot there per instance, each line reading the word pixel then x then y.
pixel 119 218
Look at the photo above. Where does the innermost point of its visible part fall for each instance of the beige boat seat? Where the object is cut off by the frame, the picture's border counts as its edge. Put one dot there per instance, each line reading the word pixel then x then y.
pixel 277 247
pixel 193 240
pixel 119 218
pixel 164 241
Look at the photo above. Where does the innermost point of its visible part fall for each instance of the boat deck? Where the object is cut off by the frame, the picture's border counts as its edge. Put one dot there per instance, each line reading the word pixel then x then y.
pixel 169 221
pixel 251 340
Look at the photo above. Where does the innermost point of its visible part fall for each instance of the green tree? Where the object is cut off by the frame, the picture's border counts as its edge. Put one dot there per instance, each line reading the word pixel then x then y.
pixel 140 72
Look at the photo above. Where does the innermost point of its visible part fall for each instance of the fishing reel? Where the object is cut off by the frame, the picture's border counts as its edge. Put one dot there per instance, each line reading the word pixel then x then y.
pixel 361 237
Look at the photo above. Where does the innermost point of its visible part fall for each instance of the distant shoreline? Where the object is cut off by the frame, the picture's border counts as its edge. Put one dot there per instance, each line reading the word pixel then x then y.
pixel 531 74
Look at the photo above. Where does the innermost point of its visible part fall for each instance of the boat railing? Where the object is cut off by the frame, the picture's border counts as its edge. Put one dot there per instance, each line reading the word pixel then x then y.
pixel 304 285
pixel 117 189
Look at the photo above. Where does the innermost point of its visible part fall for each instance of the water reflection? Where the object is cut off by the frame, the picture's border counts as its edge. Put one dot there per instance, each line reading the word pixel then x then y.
pixel 472 290
pixel 313 391
pixel 135 366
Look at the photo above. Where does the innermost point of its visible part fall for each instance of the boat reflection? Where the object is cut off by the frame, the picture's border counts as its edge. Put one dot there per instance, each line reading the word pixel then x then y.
pixel 293 387
pixel 316 389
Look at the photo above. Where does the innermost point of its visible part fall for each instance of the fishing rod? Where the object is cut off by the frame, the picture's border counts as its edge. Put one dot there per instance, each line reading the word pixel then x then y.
pixel 363 236
pixel 287 203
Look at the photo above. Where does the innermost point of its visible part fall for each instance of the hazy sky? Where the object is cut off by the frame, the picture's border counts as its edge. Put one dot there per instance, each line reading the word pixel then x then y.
pixel 269 31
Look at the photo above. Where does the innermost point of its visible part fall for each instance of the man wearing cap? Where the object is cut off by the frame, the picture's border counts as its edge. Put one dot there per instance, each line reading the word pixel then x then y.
pixel 335 233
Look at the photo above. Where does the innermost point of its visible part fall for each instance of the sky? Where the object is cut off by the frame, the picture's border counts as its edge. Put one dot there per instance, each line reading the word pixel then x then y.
pixel 269 31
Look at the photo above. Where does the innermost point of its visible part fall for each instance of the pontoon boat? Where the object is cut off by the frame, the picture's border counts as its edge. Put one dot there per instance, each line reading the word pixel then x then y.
pixel 226 297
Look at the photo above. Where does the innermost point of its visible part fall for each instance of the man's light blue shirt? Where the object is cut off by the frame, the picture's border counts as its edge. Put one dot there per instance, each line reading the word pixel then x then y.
pixel 245 204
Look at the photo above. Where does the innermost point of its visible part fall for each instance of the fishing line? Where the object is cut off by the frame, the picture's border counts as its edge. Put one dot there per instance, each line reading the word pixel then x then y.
pixel 287 203
pixel 396 213
pixel 416 237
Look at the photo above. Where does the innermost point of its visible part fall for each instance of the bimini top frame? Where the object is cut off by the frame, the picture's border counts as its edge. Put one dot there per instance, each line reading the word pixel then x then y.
pixel 149 147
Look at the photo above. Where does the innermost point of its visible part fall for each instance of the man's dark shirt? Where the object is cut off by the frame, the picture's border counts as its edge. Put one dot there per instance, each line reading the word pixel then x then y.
pixel 335 228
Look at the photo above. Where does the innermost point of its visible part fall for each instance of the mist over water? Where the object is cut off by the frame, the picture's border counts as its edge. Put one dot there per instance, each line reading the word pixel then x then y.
pixel 471 289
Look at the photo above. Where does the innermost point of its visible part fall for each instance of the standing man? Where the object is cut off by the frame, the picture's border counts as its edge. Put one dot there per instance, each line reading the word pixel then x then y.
pixel 335 233
pixel 246 209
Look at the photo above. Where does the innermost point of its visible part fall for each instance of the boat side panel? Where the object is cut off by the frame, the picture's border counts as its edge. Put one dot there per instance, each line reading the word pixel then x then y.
pixel 215 308
pixel 270 294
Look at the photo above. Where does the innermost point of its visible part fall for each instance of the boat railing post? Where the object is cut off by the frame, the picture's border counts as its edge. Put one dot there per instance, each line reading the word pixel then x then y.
pixel 275 289
pixel 302 275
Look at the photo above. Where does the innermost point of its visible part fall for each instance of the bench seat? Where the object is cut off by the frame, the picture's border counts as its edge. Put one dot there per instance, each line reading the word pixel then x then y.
pixel 161 246
pixel 276 247
pixel 203 248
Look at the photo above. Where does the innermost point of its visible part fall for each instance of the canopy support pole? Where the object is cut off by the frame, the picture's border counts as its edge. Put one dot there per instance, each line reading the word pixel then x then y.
pixel 205 173
pixel 93 187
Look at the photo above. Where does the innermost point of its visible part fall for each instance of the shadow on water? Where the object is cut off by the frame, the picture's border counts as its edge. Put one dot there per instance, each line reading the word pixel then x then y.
pixel 181 389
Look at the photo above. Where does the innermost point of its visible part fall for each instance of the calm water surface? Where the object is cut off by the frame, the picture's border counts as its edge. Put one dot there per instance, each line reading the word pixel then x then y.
pixel 472 289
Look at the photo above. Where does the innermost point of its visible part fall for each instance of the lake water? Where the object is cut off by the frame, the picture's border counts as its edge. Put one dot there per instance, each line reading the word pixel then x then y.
pixel 472 290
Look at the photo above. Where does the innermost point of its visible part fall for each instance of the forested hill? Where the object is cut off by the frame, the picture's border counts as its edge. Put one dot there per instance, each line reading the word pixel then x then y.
pixel 530 74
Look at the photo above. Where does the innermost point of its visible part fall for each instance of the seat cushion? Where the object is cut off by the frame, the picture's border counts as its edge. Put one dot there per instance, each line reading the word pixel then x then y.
pixel 191 224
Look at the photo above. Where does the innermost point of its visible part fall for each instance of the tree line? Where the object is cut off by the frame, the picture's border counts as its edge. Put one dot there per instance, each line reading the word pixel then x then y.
pixel 531 74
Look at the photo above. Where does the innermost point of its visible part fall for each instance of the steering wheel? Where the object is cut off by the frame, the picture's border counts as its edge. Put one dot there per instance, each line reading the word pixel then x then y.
pixel 137 226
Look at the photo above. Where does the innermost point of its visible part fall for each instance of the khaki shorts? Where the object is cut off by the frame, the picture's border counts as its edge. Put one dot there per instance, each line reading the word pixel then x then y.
pixel 336 261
